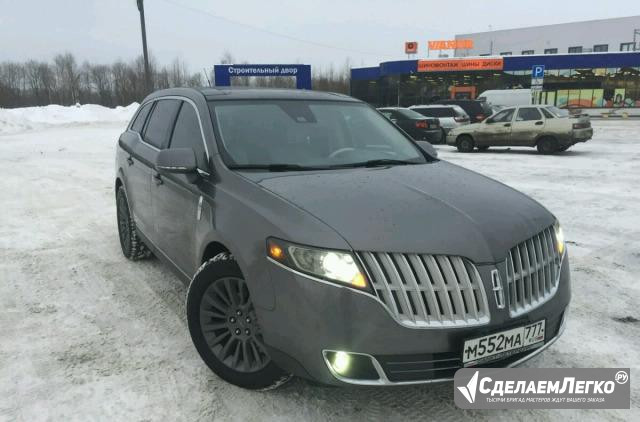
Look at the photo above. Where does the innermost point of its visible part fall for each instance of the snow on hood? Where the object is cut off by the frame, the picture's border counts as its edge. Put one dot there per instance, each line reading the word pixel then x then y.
pixel 15 120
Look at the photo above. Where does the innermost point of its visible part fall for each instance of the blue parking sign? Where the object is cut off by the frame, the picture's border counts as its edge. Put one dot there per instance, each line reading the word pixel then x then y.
pixel 537 71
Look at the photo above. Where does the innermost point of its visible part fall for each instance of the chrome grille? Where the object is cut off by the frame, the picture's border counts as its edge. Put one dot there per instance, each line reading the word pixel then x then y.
pixel 428 290
pixel 533 270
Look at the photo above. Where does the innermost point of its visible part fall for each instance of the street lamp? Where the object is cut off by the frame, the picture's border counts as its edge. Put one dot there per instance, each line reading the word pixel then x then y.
pixel 147 73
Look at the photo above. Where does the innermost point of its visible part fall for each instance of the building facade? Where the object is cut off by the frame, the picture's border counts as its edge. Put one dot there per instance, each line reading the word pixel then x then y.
pixel 603 35
pixel 588 81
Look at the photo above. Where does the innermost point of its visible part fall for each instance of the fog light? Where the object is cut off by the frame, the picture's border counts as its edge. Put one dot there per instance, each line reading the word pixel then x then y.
pixel 341 362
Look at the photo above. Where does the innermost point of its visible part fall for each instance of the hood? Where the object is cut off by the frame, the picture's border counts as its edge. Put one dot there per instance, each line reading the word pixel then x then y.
pixel 436 208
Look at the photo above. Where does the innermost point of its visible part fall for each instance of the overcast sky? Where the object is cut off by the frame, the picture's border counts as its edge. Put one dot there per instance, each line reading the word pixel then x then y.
pixel 268 31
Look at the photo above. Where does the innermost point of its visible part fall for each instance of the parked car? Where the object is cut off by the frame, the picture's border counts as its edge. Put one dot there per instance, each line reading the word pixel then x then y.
pixel 450 116
pixel 506 97
pixel 419 127
pixel 476 109
pixel 319 240
pixel 547 128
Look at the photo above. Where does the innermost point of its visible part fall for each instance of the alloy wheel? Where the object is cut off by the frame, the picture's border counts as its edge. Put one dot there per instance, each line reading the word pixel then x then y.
pixel 229 326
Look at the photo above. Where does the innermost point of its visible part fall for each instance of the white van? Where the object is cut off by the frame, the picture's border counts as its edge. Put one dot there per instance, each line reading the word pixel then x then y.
pixel 506 97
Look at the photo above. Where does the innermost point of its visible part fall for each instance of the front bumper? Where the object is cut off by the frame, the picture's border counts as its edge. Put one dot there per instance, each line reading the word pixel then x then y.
pixel 312 317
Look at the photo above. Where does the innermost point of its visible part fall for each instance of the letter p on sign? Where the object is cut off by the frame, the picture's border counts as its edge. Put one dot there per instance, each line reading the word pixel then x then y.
pixel 537 71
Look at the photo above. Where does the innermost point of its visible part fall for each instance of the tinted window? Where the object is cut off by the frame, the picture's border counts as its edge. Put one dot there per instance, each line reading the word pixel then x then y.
pixel 436 111
pixel 186 134
pixel 503 116
pixel 409 114
pixel 160 122
pixel 528 113
pixel 140 119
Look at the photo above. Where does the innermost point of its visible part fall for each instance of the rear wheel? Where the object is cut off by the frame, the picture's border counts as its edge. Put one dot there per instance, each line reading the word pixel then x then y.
pixel 547 145
pixel 224 328
pixel 564 148
pixel 465 143
pixel 132 246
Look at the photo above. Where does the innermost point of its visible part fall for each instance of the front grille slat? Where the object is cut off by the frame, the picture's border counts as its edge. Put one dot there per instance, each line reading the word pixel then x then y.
pixel 533 268
pixel 422 290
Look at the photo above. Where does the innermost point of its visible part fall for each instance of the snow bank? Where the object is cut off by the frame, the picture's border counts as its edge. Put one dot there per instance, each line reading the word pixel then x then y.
pixel 21 119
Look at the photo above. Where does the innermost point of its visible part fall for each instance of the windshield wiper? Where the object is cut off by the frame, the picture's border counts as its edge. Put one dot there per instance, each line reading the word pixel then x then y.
pixel 274 167
pixel 379 163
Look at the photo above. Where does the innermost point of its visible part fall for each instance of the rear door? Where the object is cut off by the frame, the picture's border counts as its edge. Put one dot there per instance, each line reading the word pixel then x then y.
pixel 526 127
pixel 176 201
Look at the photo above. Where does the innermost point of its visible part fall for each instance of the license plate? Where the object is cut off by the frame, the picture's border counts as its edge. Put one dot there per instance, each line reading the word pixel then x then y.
pixel 503 344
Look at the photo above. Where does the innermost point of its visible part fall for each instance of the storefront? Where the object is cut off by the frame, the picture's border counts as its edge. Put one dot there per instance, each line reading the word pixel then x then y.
pixel 585 81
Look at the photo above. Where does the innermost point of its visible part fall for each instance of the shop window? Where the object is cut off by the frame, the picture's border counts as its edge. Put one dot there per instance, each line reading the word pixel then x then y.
pixel 598 98
pixel 562 98
pixel 550 51
pixel 626 46
pixel 601 47
pixel 551 98
pixel 526 52
pixel 574 98
pixel 574 50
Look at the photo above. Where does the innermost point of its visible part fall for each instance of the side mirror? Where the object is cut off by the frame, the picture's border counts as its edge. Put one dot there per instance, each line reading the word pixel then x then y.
pixel 428 148
pixel 177 161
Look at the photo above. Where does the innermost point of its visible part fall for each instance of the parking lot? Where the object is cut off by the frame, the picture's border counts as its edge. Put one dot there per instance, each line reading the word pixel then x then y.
pixel 86 334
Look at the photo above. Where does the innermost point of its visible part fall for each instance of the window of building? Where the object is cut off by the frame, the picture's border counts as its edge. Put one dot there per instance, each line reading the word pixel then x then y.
pixel 626 46
pixel 505 53
pixel 574 50
pixel 601 47
pixel 524 52
pixel 550 51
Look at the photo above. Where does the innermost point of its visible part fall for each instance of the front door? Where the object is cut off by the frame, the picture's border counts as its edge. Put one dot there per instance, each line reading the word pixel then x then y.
pixel 526 127
pixel 177 202
pixel 496 130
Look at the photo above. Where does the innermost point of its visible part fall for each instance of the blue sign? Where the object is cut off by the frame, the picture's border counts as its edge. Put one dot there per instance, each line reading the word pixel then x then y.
pixel 537 71
pixel 302 72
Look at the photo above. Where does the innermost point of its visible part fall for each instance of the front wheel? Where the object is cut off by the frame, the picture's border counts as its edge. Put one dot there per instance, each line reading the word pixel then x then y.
pixel 224 328
pixel 465 143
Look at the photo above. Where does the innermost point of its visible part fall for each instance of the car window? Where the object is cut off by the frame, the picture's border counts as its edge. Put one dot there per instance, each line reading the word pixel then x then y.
pixel 161 122
pixel 503 116
pixel 186 134
pixel 388 114
pixel 558 112
pixel 138 124
pixel 547 113
pixel 528 113
pixel 307 133
pixel 436 111
pixel 409 114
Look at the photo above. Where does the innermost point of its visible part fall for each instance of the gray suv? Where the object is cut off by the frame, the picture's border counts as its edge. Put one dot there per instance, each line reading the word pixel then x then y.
pixel 319 240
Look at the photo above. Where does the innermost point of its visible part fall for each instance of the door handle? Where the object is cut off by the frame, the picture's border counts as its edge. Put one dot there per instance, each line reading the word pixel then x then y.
pixel 507 125
pixel 538 123
pixel 157 179
pixel 130 160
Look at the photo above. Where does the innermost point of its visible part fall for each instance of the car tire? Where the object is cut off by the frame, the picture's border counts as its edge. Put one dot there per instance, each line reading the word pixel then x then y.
pixel 465 143
pixel 224 328
pixel 483 147
pixel 132 246
pixel 547 145
pixel 564 148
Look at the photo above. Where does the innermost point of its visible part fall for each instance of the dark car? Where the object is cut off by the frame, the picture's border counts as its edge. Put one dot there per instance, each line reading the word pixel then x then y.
pixel 419 127
pixel 319 240
pixel 476 109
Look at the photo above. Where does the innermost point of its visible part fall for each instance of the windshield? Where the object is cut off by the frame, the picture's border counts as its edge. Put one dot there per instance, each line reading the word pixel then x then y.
pixel 286 135
pixel 558 111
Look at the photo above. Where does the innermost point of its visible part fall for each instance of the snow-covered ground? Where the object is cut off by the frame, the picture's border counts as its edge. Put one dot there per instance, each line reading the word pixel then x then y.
pixel 87 335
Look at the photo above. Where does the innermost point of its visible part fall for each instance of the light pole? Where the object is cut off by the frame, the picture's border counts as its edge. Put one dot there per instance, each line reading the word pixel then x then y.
pixel 147 72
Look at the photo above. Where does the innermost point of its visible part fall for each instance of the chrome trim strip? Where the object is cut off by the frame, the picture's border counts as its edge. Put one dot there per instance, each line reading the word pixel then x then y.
pixel 383 381
pixel 368 295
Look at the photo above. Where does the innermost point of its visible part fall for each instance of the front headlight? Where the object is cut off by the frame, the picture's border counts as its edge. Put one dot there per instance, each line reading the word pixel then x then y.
pixel 336 266
pixel 559 237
